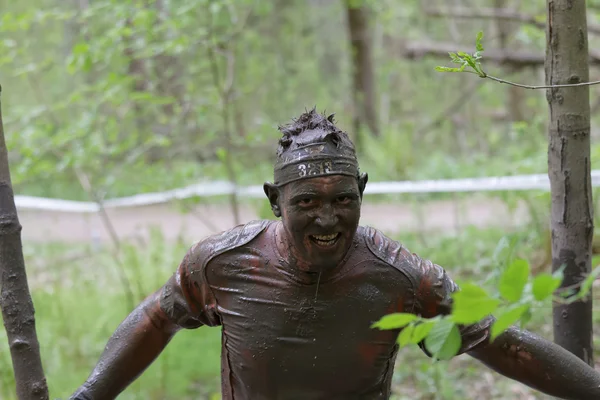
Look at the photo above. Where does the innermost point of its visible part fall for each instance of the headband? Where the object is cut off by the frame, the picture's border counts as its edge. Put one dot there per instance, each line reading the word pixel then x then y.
pixel 313 160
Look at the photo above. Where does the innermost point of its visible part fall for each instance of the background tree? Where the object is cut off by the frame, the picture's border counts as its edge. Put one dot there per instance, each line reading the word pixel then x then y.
pixel 15 300
pixel 569 168
pixel 360 31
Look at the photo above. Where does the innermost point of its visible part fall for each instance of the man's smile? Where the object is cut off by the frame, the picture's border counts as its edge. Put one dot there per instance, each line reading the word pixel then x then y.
pixel 326 241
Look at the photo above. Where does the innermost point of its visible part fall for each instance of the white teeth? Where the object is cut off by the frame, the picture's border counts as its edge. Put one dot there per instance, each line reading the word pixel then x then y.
pixel 325 237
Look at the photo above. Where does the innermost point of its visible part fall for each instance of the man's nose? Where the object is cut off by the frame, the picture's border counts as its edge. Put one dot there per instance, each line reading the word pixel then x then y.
pixel 326 218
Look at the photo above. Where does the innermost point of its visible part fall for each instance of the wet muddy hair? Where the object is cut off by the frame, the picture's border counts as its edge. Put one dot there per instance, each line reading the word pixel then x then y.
pixel 310 121
pixel 311 146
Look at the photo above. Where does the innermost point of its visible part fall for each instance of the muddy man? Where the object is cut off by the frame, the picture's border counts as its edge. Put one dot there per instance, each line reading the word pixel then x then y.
pixel 296 297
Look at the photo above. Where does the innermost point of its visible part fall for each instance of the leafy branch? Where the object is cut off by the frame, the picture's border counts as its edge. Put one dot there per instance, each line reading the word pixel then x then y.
pixel 518 292
pixel 471 63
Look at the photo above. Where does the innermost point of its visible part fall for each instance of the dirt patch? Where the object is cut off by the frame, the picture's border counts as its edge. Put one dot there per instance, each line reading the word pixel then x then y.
pixel 207 219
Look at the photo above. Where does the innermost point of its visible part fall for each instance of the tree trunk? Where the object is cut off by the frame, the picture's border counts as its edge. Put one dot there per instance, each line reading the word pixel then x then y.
pixel 363 70
pixel 15 300
pixel 569 168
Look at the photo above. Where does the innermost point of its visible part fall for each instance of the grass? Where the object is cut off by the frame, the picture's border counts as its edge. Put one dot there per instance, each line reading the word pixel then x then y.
pixel 79 304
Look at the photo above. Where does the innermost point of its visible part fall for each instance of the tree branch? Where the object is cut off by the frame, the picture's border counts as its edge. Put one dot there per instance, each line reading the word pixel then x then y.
pixel 542 86
pixel 495 13
pixel 87 186
pixel 517 59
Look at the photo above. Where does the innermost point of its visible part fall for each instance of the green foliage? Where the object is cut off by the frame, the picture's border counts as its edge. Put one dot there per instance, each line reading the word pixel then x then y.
pixel 471 304
pixel 516 294
pixel 467 60
pixel 513 280
pixel 114 99
pixel 111 86
pixel 544 285
pixel 443 340
pixel 395 320
pixel 79 305
pixel 472 61
pixel 506 318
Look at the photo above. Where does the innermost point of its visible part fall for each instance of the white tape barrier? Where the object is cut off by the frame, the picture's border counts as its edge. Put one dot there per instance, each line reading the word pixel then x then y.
pixel 519 182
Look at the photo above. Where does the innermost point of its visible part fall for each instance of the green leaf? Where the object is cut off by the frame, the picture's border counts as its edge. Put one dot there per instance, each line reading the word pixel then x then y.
pixel 525 318
pixel 455 58
pixel 394 321
pixel 464 56
pixel 405 336
pixel 505 319
pixel 478 39
pixel 472 63
pixel 544 285
pixel 449 69
pixel 513 280
pixel 422 330
pixel 443 341
pixel 472 304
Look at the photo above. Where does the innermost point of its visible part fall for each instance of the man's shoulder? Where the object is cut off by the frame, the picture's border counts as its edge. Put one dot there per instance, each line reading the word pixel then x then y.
pixel 391 252
pixel 211 246
pixel 382 246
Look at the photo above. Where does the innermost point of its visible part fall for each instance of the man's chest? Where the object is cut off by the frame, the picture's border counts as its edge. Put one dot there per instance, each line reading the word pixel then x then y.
pixel 276 327
pixel 297 316
pixel 250 294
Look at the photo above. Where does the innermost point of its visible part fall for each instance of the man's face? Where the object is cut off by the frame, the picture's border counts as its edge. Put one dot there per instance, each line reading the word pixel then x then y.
pixel 320 216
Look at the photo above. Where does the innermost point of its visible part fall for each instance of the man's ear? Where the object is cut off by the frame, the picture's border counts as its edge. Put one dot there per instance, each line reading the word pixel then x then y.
pixel 362 183
pixel 272 192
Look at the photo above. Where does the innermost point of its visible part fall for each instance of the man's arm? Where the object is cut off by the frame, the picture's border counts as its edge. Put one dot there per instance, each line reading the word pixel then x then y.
pixel 183 302
pixel 135 344
pixel 519 355
pixel 540 364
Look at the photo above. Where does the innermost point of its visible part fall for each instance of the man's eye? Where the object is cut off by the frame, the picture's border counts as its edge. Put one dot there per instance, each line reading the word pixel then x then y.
pixel 305 202
pixel 344 199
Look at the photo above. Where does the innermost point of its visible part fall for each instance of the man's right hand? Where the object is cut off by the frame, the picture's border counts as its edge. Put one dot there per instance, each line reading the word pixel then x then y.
pixel 136 343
